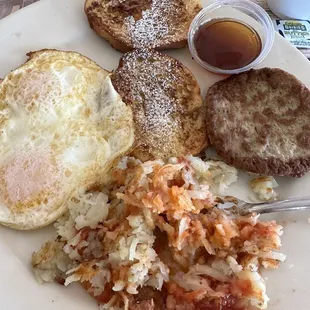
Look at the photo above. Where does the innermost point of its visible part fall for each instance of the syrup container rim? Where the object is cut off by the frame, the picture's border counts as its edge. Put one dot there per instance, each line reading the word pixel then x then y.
pixel 247 7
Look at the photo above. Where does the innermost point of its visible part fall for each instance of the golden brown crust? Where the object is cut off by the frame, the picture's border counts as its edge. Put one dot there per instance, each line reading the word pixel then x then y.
pixel 259 121
pixel 169 113
pixel 159 24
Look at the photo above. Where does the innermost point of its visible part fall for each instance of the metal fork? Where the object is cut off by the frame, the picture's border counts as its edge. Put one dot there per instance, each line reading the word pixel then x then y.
pixel 292 204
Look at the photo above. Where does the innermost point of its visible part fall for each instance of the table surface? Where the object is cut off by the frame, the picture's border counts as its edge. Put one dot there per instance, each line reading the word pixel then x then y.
pixel 10 6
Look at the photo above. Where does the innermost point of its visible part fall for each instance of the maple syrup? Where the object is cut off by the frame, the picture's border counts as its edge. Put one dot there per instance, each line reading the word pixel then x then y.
pixel 227 44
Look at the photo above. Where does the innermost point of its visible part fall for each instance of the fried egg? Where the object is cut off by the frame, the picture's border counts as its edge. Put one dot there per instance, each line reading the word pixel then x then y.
pixel 62 125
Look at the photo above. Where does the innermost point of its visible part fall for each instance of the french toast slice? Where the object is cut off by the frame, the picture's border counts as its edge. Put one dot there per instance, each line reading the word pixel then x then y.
pixel 168 111
pixel 130 24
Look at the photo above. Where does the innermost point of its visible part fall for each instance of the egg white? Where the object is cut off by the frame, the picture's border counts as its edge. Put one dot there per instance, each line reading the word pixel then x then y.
pixel 62 125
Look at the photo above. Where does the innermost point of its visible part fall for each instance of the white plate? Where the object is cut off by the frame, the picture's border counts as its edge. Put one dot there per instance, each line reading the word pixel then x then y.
pixel 61 24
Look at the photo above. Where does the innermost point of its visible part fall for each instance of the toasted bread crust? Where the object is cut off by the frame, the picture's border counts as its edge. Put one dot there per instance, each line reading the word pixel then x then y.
pixel 259 121
pixel 169 113
pixel 130 24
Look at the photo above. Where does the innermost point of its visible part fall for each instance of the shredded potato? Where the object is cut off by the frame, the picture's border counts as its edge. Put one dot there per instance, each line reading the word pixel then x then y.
pixel 155 238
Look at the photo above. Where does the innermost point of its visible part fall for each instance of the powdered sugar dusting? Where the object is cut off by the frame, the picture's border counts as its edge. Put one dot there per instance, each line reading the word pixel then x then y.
pixel 154 27
pixel 149 80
